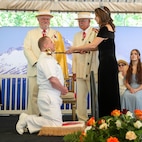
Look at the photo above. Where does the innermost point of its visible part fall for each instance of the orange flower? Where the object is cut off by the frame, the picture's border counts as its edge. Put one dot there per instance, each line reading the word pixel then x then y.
pixel 112 139
pixel 91 121
pixel 115 112
pixel 83 134
pixel 101 121
pixel 138 114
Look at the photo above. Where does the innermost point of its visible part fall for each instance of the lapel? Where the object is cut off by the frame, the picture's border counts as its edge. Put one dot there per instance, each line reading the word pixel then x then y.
pixel 88 36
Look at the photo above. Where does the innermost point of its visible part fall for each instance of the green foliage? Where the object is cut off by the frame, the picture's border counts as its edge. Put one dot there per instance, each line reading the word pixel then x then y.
pixel 128 19
pixel 62 19
pixel 124 128
pixel 13 18
pixel 72 137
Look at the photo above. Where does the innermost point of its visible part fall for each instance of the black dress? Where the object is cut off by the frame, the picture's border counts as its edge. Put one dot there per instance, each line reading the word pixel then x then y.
pixel 0 97
pixel 108 86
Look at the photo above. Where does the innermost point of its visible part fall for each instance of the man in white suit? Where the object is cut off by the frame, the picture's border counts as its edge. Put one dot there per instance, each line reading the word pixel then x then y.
pixel 83 64
pixel 51 85
pixel 32 52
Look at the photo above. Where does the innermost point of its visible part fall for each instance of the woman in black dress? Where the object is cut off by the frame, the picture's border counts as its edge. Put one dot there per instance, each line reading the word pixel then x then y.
pixel 108 86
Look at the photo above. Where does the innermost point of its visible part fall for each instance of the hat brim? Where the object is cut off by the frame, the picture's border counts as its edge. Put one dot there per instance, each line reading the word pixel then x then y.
pixel 44 15
pixel 82 18
pixel 122 61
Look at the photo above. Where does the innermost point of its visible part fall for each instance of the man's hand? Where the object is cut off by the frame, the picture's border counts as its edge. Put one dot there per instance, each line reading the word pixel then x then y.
pixel 74 76
pixel 64 91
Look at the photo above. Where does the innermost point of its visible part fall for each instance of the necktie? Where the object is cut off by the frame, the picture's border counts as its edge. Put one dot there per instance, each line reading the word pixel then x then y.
pixel 44 33
pixel 83 36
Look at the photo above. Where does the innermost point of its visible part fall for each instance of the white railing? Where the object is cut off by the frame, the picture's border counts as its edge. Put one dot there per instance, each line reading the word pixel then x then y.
pixel 14 90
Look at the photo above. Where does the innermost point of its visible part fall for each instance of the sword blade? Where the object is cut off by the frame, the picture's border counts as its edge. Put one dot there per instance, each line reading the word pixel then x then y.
pixel 63 52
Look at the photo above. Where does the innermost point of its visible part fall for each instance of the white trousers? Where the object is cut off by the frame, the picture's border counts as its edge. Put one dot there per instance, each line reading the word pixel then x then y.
pixel 83 88
pixel 49 106
pixel 32 96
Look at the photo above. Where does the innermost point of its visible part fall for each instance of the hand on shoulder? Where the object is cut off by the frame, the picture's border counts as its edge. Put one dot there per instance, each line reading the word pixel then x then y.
pixel 95 30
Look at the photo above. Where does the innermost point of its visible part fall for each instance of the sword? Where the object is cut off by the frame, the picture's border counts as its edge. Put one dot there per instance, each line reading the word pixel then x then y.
pixel 65 52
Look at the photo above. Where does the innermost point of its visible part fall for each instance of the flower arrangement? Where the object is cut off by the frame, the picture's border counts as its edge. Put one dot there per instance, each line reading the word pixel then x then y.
pixel 118 127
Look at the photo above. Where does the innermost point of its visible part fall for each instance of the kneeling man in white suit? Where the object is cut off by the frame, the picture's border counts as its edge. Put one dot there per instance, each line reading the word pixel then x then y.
pixel 51 85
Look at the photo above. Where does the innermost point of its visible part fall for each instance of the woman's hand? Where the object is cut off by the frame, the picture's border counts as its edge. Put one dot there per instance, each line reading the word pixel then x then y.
pixel 95 30
pixel 132 90
pixel 70 50
pixel 83 52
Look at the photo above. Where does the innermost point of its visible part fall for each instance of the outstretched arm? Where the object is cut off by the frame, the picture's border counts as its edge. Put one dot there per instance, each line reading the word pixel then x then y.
pixel 87 47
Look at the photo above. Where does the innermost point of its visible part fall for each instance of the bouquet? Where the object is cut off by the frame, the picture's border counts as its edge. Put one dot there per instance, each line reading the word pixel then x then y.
pixel 118 127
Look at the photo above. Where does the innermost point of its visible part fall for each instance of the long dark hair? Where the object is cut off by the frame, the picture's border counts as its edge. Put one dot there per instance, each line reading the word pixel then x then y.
pixel 105 17
pixel 130 70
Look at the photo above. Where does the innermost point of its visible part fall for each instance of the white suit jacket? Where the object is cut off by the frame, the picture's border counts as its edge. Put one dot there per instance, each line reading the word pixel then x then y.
pixel 31 49
pixel 83 64
pixel 122 87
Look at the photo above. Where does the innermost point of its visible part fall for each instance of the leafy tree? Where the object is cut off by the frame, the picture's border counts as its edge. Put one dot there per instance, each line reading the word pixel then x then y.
pixel 62 19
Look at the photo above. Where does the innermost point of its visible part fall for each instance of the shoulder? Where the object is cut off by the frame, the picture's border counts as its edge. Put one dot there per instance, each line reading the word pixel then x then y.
pixel 109 28
pixel 35 30
pixel 78 34
pixel 44 59
pixel 105 33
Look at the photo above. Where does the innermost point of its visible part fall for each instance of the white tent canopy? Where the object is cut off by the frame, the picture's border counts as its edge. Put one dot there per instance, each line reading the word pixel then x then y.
pixel 116 6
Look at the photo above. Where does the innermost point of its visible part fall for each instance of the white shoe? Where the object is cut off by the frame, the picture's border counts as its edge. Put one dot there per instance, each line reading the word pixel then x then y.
pixel 21 124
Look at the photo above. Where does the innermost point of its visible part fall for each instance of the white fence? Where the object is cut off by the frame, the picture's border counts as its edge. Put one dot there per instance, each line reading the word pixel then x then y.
pixel 14 91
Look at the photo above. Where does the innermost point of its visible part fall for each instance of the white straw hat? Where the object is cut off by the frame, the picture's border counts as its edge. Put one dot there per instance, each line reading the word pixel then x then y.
pixel 44 12
pixel 84 15
pixel 122 61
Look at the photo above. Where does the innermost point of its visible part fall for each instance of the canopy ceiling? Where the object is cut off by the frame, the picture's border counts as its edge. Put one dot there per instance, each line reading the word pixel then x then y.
pixel 116 6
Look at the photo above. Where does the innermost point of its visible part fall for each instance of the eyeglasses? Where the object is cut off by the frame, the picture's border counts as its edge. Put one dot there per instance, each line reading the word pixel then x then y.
pixel 82 20
pixel 121 65
pixel 45 19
